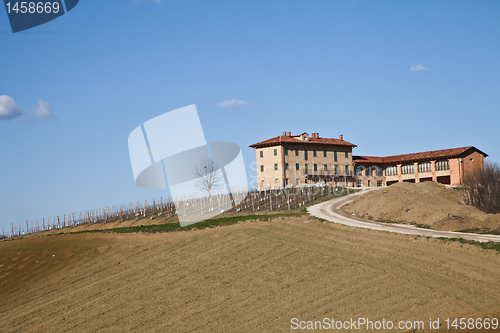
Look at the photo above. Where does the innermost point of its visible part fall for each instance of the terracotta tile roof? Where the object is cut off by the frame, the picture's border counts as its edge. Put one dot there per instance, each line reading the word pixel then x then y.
pixel 427 155
pixel 278 140
pixel 368 159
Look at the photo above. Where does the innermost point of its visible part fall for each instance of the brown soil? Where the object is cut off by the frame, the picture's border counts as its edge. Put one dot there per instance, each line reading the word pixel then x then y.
pixel 248 277
pixel 426 203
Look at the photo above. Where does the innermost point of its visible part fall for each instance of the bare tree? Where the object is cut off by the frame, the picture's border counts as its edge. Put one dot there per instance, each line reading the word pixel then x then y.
pixel 482 188
pixel 207 177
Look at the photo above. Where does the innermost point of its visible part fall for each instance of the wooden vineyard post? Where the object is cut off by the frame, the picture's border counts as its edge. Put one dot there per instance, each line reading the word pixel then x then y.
pixel 201 203
pixel 27 229
pixel 219 203
pixel 12 230
pixel 88 216
pixel 153 209
pixel 58 223
pixel 185 202
pixel 253 205
pixel 277 200
pixel 43 223
pixel 121 216
pixel 288 199
pixel 271 199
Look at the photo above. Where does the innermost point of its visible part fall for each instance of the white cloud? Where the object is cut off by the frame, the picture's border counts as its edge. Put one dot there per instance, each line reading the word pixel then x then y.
pixel 43 110
pixel 419 68
pixel 9 108
pixel 232 104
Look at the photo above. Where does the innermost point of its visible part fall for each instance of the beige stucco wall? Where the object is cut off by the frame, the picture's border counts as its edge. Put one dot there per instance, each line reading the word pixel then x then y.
pixel 271 177
pixel 268 177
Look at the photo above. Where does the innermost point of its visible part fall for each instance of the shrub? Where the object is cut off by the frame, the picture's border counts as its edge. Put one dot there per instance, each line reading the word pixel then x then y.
pixel 482 188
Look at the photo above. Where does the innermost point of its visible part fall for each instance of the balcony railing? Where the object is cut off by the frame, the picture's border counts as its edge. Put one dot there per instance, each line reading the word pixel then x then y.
pixel 328 174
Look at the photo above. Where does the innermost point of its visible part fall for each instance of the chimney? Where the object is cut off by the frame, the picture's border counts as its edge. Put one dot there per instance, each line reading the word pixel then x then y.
pixel 289 133
pixel 284 133
pixel 341 137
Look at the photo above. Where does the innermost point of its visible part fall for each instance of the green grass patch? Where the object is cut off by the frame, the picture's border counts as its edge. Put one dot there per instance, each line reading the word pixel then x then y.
pixel 393 222
pixel 423 226
pixel 169 227
pixel 418 225
pixel 458 188
pixel 484 245
pixel 476 230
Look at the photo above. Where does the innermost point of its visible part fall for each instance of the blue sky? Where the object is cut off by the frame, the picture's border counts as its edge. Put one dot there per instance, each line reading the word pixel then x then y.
pixel 84 81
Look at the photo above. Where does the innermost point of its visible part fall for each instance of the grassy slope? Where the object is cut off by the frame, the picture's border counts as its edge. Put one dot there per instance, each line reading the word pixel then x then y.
pixel 249 276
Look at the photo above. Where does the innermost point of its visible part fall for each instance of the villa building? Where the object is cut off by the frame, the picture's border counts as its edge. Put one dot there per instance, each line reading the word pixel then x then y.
pixel 302 159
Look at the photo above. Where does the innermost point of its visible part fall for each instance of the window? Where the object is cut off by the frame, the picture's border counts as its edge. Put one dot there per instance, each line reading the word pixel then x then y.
pixel 346 154
pixel 314 153
pixel 335 156
pixel 324 153
pixel 336 170
pixel 261 153
pixel 378 171
pixel 369 183
pixel 286 166
pixel 368 172
pixel 307 169
pixel 286 151
pixel 443 165
pixel 297 166
pixel 407 168
pixel 261 168
pixel 391 170
pixel 305 155
pixel 276 183
pixel 297 181
pixel 315 167
pixel 276 152
pixel 358 183
pixel 425 167
pixel 325 168
pixel 262 184
pixel 347 170
pixel 275 166
pixel 296 152
pixel 358 171
pixel 286 181
pixel 379 183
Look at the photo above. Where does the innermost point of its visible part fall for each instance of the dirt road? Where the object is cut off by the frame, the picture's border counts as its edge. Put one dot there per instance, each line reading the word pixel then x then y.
pixel 331 211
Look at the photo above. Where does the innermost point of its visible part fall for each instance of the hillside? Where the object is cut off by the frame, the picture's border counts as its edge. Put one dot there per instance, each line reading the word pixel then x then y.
pixel 426 203
pixel 252 276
